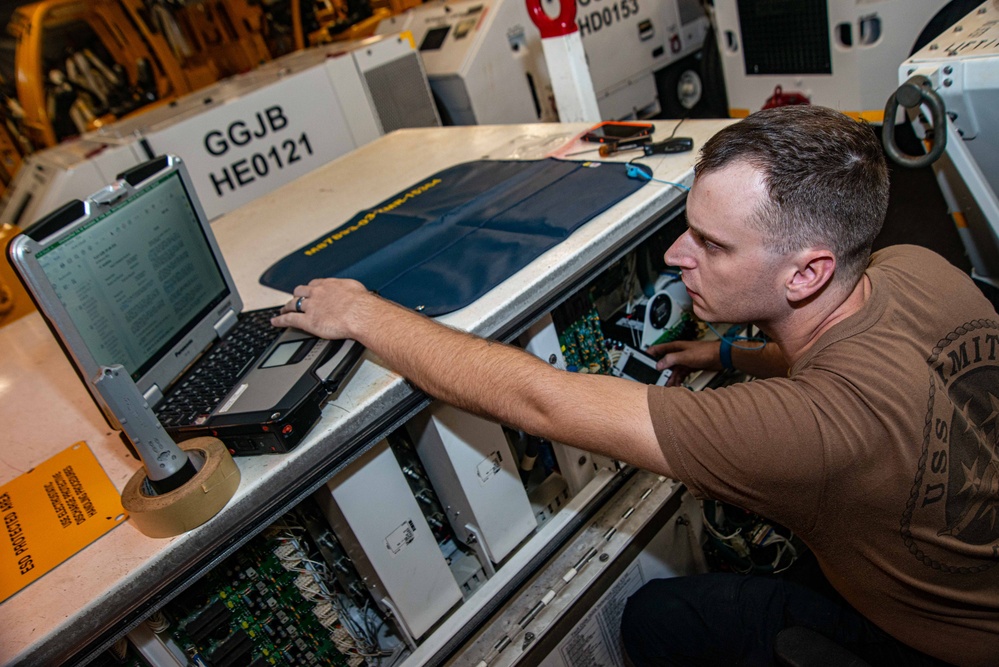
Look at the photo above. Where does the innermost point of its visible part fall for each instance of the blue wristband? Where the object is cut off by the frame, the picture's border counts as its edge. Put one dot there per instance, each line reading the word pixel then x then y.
pixel 726 354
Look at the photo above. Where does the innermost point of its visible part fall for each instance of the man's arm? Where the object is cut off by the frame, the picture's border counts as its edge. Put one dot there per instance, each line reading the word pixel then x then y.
pixel 601 414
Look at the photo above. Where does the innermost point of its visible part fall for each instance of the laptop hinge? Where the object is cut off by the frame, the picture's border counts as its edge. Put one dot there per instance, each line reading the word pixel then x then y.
pixel 153 396
pixel 228 321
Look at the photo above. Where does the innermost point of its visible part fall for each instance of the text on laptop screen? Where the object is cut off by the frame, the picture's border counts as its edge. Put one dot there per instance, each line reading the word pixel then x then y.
pixel 135 278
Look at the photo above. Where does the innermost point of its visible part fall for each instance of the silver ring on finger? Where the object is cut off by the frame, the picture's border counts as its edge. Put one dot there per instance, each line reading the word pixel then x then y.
pixel 298 304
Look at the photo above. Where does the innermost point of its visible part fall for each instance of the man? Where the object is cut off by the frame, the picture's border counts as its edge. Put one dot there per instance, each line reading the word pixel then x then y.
pixel 874 437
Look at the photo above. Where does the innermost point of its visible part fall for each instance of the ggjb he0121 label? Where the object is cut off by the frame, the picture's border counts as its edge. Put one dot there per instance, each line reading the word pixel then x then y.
pixel 246 170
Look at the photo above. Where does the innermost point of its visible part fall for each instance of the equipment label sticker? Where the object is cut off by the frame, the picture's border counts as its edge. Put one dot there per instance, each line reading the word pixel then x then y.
pixel 400 537
pixel 247 146
pixel 489 467
pixel 51 512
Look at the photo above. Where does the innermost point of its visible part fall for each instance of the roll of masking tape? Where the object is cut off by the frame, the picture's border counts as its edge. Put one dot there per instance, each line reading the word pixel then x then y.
pixel 190 505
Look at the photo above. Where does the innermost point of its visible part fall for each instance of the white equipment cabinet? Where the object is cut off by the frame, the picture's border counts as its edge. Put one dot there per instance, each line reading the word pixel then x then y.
pixel 485 62
pixel 841 54
pixel 962 67
pixel 469 463
pixel 247 135
pixel 74 168
pixel 388 539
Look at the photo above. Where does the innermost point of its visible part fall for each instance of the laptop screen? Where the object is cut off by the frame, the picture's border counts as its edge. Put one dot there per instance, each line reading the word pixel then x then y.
pixel 135 279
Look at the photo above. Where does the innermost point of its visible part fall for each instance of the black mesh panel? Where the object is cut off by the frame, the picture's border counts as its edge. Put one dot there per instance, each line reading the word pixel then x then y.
pixel 785 36
pixel 400 94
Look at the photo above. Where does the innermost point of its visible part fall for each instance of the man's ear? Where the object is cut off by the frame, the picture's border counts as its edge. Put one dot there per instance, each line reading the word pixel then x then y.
pixel 811 270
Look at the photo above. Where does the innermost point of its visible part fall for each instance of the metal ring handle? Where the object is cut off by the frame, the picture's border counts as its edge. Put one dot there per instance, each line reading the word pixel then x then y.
pixel 564 24
pixel 913 93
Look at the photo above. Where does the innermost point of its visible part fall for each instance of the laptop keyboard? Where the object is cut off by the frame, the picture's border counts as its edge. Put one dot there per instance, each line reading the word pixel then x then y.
pixel 211 378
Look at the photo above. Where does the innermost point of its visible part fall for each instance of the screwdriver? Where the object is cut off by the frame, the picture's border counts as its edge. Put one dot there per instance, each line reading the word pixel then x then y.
pixel 671 145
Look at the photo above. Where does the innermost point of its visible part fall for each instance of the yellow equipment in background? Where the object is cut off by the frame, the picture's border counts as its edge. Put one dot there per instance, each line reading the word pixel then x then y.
pixel 14 301
pixel 58 90
pixel 82 63
pixel 10 155
pixel 345 20
pixel 224 34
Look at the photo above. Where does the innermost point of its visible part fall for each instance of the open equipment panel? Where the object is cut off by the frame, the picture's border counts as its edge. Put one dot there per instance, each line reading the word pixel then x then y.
pixel 457 540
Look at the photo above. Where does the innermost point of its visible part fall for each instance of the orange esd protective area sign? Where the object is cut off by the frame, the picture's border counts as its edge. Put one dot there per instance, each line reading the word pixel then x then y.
pixel 51 512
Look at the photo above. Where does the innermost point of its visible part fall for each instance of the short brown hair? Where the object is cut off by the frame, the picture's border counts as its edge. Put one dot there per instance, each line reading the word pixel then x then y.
pixel 825 176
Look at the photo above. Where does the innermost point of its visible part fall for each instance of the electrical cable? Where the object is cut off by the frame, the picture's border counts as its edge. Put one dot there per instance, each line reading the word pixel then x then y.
pixel 675 128
pixel 742 548
pixel 638 169
pixel 632 280
pixel 320 588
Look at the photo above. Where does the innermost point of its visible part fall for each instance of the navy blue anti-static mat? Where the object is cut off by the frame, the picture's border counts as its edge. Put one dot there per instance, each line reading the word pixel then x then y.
pixel 447 240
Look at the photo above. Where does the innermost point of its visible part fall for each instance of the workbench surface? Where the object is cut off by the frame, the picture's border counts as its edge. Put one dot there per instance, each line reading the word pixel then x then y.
pixel 123 576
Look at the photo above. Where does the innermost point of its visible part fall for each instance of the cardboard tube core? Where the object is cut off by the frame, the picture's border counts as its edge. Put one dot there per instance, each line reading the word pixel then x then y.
pixel 190 505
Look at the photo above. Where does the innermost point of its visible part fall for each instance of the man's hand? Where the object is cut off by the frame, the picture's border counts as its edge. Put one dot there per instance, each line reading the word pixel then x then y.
pixel 686 356
pixel 327 308
pixel 761 360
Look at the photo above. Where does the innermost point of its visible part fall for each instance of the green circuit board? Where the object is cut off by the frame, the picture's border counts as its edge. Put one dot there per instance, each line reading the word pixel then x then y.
pixel 582 343
pixel 251 610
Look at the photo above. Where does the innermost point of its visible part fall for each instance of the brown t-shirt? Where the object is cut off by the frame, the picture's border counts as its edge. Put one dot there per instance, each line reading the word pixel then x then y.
pixel 879 450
